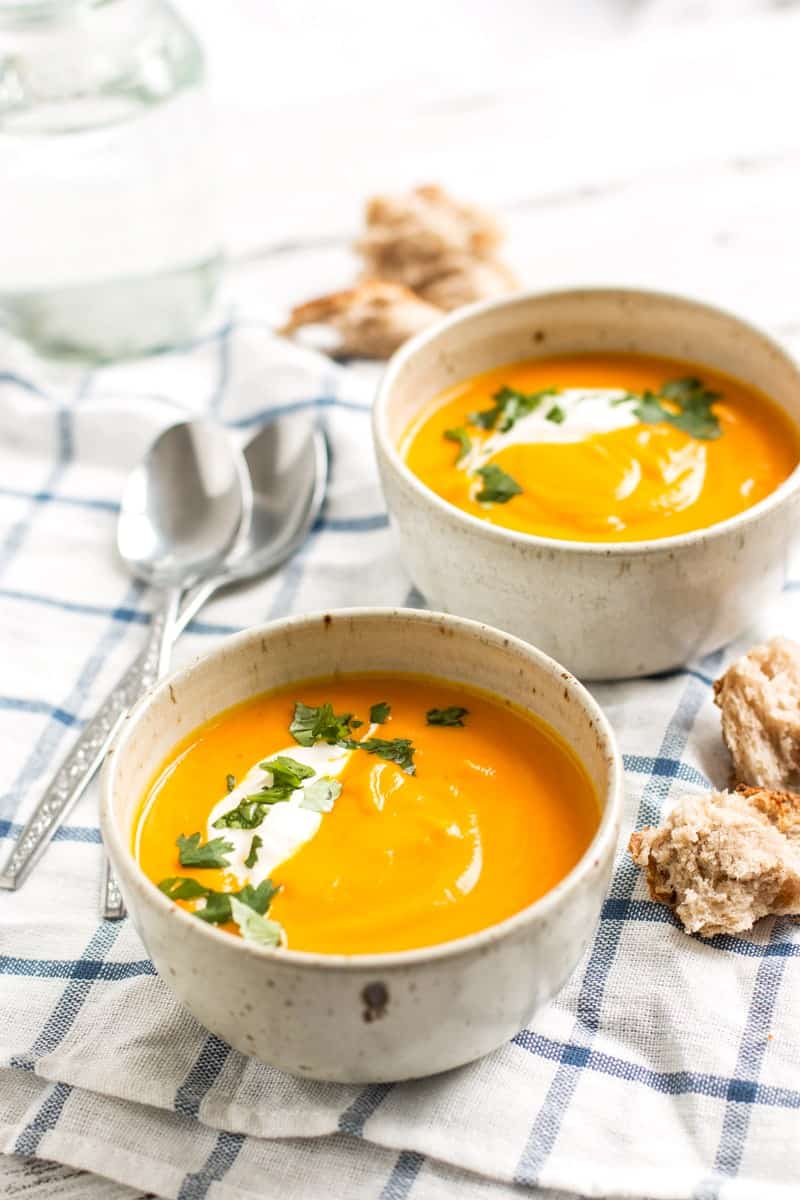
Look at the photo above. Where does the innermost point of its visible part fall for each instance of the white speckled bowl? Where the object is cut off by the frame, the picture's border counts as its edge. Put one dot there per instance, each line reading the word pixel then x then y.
pixel 381 1017
pixel 608 610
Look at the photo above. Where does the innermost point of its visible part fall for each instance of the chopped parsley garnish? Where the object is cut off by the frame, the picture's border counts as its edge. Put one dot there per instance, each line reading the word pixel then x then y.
pixel 396 750
pixel 498 487
pixel 211 854
pixel 286 772
pixel 454 715
pixel 379 713
pixel 320 795
pixel 556 414
pixel 253 927
pixel 310 725
pixel 692 400
pixel 230 782
pixel 287 775
pixel 217 908
pixel 461 436
pixel 255 846
pixel 509 405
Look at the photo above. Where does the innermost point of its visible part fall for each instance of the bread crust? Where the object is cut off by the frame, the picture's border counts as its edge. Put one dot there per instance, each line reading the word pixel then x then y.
pixel 723 860
pixel 759 700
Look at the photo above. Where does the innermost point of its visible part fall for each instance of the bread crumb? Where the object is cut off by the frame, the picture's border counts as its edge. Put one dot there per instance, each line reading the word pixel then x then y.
pixel 759 697
pixel 442 249
pixel 371 320
pixel 723 860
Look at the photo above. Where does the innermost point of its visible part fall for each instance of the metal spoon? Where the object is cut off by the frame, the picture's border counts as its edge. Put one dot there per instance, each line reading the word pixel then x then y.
pixel 181 511
pixel 288 466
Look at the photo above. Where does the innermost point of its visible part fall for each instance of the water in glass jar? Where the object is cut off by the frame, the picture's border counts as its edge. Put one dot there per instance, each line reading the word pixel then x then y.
pixel 108 226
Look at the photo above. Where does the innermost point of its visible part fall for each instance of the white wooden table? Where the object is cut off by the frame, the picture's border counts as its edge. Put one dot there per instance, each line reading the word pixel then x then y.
pixel 653 144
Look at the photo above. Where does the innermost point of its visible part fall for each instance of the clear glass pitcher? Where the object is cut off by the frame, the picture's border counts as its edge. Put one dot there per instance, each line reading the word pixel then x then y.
pixel 109 234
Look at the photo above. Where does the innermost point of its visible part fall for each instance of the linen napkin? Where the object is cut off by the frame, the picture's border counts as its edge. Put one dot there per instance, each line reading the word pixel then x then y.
pixel 667 1067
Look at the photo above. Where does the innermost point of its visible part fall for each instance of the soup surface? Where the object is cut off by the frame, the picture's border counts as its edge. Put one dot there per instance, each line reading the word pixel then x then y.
pixel 391 811
pixel 604 447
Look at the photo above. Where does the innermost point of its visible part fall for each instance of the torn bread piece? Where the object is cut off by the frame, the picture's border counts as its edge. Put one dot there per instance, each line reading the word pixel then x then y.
pixel 370 320
pixel 723 860
pixel 444 250
pixel 759 697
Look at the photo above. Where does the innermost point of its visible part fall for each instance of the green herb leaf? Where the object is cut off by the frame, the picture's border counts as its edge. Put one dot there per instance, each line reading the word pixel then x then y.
pixel 454 715
pixel 211 854
pixel 461 436
pixel 310 725
pixel 498 487
pixel 255 846
pixel 287 775
pixel 216 910
pixel 396 750
pixel 248 813
pixel 693 400
pixel 253 927
pixel 178 887
pixel 509 405
pixel 217 907
pixel 556 415
pixel 355 723
pixel 379 713
pixel 286 772
pixel 320 795
pixel 230 782
pixel 259 898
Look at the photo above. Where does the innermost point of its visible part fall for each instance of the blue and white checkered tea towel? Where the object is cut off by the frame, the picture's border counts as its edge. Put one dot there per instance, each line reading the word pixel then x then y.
pixel 667 1067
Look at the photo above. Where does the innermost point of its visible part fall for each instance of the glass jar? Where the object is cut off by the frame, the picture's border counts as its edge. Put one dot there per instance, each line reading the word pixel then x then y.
pixel 109 235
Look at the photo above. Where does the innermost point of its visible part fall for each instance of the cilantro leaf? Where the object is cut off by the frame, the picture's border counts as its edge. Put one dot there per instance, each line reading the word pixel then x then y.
pixel 247 814
pixel 259 898
pixel 461 436
pixel 379 713
pixel 230 782
pixel 556 414
pixel 320 795
pixel 211 854
pixel 286 772
pixel 178 887
pixel 396 750
pixel 498 487
pixel 693 401
pixel 255 928
pixel 255 846
pixel 310 725
pixel 650 408
pixel 509 405
pixel 287 775
pixel 217 907
pixel 454 715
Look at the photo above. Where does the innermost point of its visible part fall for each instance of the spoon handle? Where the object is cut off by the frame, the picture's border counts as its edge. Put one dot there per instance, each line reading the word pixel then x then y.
pixel 78 768
pixel 156 656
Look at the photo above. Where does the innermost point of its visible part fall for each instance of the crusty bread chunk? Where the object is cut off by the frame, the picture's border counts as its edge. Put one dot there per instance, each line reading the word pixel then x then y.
pixel 371 320
pixel 723 860
pixel 759 696
pixel 444 250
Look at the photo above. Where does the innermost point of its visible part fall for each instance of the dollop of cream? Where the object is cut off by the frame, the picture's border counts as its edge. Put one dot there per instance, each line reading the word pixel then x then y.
pixel 286 826
pixel 587 411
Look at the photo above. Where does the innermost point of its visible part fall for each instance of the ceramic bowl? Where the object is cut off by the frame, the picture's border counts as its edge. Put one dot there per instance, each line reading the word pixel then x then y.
pixel 606 610
pixel 364 1018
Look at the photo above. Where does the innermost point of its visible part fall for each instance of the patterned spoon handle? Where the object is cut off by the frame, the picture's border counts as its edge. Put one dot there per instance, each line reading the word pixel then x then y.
pixel 78 768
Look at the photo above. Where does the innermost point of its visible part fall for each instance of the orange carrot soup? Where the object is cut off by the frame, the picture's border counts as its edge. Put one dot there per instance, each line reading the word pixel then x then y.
pixel 602 447
pixel 373 813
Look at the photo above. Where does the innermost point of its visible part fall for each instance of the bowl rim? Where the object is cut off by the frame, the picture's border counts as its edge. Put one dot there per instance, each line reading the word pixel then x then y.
pixel 604 839
pixel 463 316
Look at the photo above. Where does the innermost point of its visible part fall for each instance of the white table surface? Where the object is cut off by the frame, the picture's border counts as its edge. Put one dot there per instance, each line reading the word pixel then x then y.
pixel 653 144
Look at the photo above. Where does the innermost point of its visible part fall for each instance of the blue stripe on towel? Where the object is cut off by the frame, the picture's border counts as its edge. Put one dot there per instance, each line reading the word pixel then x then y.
pixel 547 1124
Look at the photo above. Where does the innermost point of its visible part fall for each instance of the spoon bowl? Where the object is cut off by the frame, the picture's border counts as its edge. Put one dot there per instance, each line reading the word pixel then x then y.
pixel 183 505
